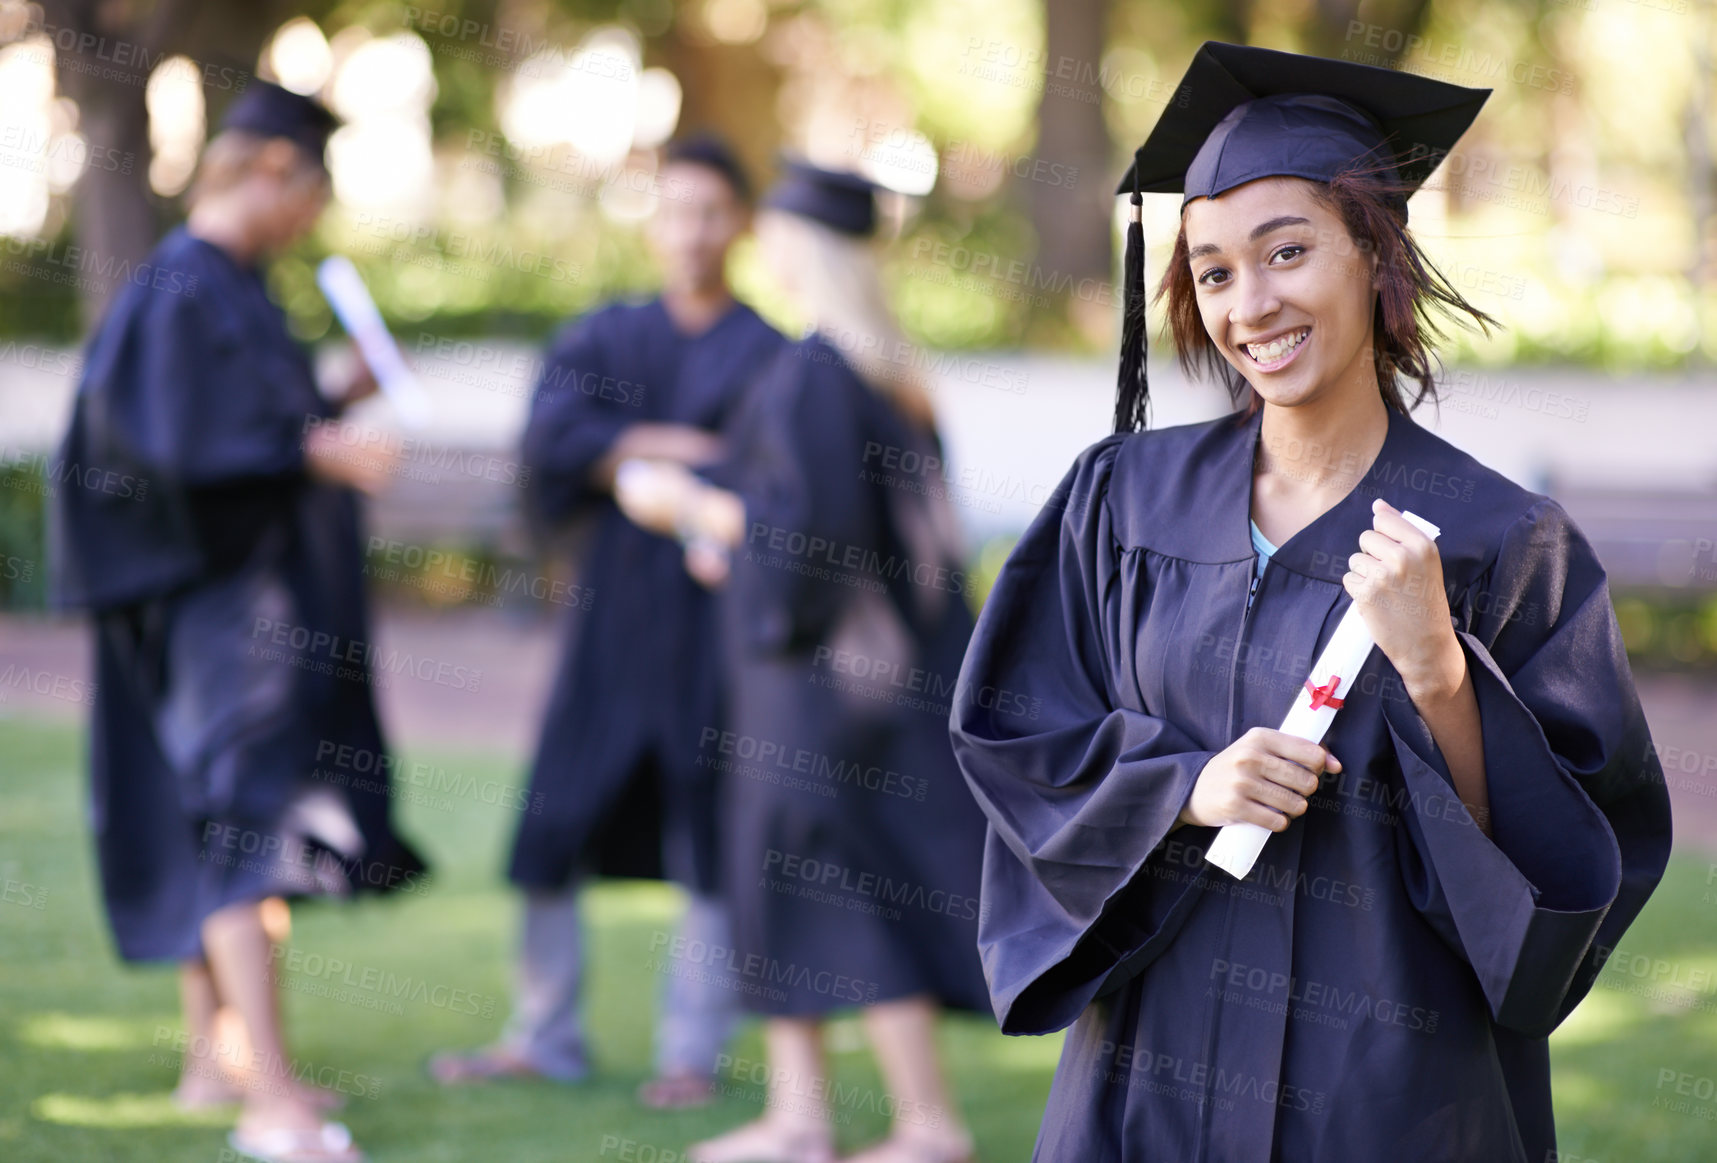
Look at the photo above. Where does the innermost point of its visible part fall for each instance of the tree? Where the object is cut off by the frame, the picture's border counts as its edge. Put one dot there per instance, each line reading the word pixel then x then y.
pixel 1073 227
pixel 1072 222
pixel 104 52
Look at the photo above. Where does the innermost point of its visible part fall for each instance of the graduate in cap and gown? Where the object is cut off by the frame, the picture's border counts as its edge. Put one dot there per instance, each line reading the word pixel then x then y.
pixel 208 521
pixel 851 847
pixel 616 785
pixel 1448 869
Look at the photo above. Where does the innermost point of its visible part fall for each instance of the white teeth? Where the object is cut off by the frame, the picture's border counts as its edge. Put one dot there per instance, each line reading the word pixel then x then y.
pixel 1277 348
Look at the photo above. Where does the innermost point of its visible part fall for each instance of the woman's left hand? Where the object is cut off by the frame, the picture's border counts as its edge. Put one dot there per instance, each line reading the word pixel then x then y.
pixel 1396 581
pixel 708 562
pixel 652 493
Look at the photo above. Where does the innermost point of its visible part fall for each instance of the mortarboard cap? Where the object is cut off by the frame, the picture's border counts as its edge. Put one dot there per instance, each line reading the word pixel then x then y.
pixel 838 199
pixel 268 110
pixel 1243 113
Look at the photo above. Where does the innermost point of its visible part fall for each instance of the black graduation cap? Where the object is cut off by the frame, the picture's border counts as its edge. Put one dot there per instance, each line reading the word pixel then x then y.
pixel 267 109
pixel 1242 113
pixel 838 199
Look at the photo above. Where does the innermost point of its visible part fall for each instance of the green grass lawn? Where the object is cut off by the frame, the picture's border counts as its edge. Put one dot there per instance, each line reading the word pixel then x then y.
pixel 86 1061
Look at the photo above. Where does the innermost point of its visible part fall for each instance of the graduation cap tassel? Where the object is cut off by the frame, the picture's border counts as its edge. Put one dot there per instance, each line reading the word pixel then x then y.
pixel 1132 391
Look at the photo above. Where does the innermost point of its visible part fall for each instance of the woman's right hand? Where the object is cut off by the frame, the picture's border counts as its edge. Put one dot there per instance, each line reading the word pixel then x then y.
pixel 342 453
pixel 1264 778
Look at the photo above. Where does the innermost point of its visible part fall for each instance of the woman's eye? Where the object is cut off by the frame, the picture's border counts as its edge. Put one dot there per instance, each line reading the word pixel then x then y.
pixel 1217 273
pixel 1292 250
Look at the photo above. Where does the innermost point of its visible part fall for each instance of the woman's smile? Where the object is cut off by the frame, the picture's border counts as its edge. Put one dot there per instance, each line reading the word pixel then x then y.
pixel 1279 352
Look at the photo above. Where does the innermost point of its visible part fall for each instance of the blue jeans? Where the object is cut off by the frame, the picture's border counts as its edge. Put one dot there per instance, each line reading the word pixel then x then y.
pixel 547 1025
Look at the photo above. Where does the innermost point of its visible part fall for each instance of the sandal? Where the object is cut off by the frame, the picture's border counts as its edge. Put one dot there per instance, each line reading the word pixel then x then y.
pixel 328 1143
pixel 918 1148
pixel 669 1092
pixel 765 1141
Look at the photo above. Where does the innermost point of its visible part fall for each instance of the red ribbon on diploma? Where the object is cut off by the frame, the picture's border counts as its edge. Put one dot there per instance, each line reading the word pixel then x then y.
pixel 1324 696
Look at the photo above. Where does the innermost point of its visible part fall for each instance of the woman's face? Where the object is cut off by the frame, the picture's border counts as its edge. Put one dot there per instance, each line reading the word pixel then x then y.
pixel 1285 294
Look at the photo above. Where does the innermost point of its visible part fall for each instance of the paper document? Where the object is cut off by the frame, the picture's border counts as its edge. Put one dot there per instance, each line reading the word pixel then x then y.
pixel 1237 846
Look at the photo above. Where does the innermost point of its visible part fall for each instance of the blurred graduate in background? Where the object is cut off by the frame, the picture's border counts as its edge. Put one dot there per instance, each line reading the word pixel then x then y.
pixel 865 786
pixel 617 772
pixel 209 523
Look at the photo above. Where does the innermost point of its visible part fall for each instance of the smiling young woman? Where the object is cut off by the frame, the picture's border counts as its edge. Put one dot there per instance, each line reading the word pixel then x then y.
pixel 1448 866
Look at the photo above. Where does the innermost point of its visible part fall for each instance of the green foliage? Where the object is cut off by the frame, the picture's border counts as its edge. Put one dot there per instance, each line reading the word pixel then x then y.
pixel 1669 629
pixel 23 548
pixel 1567 214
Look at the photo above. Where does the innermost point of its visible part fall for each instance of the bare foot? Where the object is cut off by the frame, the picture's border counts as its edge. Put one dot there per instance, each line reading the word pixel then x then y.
pixel 677 1091
pixel 494 1062
pixel 199 1091
pixel 205 1086
pixel 767 1140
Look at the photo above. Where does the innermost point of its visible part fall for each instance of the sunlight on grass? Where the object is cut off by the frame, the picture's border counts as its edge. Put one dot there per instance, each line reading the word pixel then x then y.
pixel 845 1036
pixel 77 1085
pixel 122 1111
pixel 1024 1055
pixel 1604 1016
pixel 61 1031
pixel 634 903
pixel 1578 1090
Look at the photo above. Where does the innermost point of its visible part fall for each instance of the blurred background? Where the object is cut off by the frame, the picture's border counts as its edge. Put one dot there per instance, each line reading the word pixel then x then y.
pixel 491 179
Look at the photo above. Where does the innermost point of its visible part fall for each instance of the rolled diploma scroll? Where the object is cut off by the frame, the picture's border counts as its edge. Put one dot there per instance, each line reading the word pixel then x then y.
pixel 346 293
pixel 1237 846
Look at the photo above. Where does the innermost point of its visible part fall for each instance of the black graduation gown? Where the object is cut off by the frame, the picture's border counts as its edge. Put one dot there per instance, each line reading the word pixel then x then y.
pixel 852 849
pixel 615 774
pixel 1422 963
pixel 232 642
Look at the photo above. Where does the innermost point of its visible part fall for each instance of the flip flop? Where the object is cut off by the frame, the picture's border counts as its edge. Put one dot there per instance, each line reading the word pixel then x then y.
pixel 898 1148
pixel 328 1143
pixel 762 1142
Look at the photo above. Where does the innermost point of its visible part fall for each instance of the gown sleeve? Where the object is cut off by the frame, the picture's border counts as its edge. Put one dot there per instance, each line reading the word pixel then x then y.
pixel 810 519
pixel 1579 809
pixel 570 429
pixel 206 408
pixel 1079 891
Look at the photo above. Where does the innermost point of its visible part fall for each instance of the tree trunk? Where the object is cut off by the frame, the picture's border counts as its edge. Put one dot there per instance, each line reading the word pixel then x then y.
pixel 1072 219
pixel 114 214
pixel 1330 35
pixel 104 52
